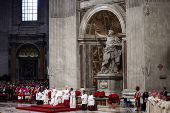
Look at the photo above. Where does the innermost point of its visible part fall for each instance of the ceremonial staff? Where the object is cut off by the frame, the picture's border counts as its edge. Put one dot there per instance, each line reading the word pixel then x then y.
pixel 97 49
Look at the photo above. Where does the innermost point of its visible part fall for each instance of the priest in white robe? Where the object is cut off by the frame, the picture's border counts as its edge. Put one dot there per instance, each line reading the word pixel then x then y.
pixel 39 97
pixel 56 99
pixel 53 95
pixel 45 93
pixel 167 106
pixel 65 96
pixel 148 102
pixel 91 102
pixel 60 96
pixel 72 99
pixel 84 101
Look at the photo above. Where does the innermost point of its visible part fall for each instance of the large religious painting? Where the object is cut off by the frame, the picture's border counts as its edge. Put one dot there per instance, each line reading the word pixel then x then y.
pixel 101 22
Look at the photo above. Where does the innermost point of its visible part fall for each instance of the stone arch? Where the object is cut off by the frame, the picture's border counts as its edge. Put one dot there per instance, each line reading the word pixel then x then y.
pixel 112 8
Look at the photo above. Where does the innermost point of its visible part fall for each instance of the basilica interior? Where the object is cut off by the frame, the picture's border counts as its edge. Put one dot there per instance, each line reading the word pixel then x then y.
pixel 110 46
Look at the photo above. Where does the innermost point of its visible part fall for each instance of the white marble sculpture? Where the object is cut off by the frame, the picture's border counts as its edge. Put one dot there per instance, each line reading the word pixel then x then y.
pixel 111 56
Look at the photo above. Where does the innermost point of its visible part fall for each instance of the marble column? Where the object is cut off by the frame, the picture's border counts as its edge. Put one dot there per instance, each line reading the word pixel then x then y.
pixel 41 61
pixel 13 62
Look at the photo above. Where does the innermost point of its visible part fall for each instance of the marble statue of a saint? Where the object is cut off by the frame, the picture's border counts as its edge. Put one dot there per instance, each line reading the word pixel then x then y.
pixel 111 56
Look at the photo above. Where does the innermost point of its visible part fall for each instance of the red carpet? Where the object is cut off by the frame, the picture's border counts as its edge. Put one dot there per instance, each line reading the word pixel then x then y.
pixel 48 109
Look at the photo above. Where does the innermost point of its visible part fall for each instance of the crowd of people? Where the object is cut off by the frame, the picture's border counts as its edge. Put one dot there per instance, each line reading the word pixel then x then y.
pixel 22 87
pixel 38 91
pixel 158 103
pixel 153 102
pixel 69 96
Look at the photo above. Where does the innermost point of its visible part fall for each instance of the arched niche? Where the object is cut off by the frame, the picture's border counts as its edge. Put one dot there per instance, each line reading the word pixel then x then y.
pixel 101 22
pixel 102 7
pixel 27 51
pixel 28 61
pixel 91 50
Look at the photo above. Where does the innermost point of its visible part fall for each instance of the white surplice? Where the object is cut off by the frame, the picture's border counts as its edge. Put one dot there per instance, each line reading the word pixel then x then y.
pixel 90 100
pixel 72 99
pixel 45 92
pixel 39 96
pixel 84 98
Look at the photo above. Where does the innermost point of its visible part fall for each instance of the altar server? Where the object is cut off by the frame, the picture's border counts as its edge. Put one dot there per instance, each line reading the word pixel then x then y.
pixel 65 96
pixel 91 102
pixel 72 99
pixel 84 101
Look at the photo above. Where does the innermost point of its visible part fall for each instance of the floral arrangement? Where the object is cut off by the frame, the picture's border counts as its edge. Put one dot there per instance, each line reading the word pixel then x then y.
pixel 99 94
pixel 113 98
pixel 49 94
pixel 77 92
pixel 96 93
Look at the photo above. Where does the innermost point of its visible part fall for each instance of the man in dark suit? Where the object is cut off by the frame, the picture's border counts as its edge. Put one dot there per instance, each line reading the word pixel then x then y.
pixel 164 92
pixel 41 89
pixel 145 97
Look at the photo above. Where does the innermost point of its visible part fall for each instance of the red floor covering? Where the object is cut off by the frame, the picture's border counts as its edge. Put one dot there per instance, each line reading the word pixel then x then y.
pixel 48 109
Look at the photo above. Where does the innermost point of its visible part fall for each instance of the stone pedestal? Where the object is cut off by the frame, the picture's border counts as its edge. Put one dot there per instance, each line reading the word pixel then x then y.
pixel 110 83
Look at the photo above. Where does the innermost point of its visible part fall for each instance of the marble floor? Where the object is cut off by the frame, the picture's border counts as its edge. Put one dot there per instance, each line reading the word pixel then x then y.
pixel 9 107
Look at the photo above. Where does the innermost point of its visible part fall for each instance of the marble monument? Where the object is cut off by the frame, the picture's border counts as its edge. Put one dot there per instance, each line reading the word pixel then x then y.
pixel 109 78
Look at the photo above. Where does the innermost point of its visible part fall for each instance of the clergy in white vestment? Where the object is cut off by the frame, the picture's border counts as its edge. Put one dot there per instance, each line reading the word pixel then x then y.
pixel 167 106
pixel 72 99
pixel 84 101
pixel 163 103
pixel 157 106
pixel 39 97
pixel 56 99
pixel 59 96
pixel 148 102
pixel 91 102
pixel 45 93
pixel 65 96
pixel 53 95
